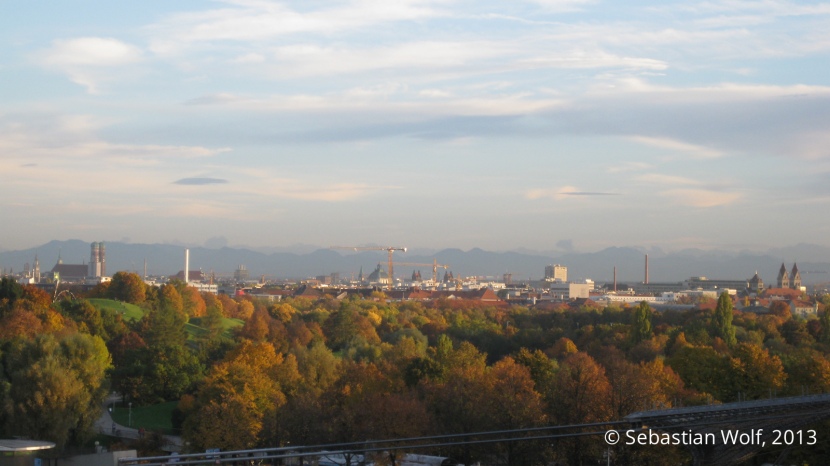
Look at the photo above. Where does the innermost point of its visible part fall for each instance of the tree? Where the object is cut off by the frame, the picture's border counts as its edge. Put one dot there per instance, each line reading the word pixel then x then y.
pixel 192 302
pixel 825 324
pixel 702 369
pixel 641 323
pixel 754 372
pixel 807 369
pixel 169 299
pixel 212 323
pixel 578 387
pixel 127 287
pixel 10 291
pixel 722 320
pixel 168 372
pixel 514 403
pixel 56 387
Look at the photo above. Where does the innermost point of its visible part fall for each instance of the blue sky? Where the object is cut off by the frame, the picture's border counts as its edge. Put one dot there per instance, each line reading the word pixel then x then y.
pixel 420 123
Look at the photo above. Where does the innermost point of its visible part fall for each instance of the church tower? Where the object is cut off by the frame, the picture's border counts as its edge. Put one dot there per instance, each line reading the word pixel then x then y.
pixel 783 277
pixel 796 278
pixel 36 270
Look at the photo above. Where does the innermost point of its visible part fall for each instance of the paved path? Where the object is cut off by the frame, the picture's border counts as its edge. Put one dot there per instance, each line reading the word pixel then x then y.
pixel 104 425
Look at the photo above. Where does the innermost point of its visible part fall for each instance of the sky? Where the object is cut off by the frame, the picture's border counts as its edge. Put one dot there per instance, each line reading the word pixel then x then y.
pixel 537 124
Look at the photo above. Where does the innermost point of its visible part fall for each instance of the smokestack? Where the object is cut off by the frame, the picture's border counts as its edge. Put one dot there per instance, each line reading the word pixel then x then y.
pixel 615 279
pixel 646 269
pixel 145 268
pixel 186 266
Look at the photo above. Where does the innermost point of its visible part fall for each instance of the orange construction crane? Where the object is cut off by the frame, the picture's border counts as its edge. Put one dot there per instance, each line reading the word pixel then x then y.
pixel 434 265
pixel 390 250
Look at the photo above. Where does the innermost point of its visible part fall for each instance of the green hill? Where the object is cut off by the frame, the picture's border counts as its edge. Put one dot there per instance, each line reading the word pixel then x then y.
pixel 129 311
pixel 132 312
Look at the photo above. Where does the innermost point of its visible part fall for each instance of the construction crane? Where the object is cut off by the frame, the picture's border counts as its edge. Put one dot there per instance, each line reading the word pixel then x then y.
pixel 390 250
pixel 434 265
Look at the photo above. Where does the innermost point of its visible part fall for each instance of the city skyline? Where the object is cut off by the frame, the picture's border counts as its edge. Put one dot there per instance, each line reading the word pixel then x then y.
pixel 539 124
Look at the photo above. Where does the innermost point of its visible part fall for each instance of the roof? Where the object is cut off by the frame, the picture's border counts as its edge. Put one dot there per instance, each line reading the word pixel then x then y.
pixel 193 275
pixel 378 274
pixel 784 292
pixel 307 292
pixel 71 270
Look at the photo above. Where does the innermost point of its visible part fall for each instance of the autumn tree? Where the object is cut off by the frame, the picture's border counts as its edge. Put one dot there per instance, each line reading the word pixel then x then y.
pixel 192 302
pixel 247 386
pixel 579 385
pixel 754 373
pixel 514 403
pixel 808 371
pixel 127 287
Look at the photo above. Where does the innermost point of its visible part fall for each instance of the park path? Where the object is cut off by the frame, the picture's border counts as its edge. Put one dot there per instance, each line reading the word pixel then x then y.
pixel 105 423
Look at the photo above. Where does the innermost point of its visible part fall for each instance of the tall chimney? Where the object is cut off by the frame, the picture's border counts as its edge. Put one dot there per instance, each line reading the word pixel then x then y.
pixel 646 269
pixel 186 266
pixel 615 279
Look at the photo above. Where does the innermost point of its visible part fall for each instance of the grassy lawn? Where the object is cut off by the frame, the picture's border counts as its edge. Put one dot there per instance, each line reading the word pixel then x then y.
pixel 132 312
pixel 194 328
pixel 155 417
pixel 129 311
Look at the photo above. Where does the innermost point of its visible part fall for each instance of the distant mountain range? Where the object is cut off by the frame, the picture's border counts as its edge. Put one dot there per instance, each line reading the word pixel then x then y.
pixel 165 259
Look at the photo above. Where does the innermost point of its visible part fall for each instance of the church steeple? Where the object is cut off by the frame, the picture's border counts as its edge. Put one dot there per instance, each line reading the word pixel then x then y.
pixel 796 278
pixel 783 278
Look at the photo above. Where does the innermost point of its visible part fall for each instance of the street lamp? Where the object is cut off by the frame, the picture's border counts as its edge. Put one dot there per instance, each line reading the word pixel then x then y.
pixel 130 417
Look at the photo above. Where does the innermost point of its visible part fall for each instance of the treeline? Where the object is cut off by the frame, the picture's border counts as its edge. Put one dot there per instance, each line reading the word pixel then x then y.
pixel 303 371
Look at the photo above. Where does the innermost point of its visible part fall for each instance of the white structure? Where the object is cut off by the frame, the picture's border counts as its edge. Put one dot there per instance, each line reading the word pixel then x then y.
pixel 626 298
pixel 556 272
pixel 186 266
pixel 208 287
pixel 571 290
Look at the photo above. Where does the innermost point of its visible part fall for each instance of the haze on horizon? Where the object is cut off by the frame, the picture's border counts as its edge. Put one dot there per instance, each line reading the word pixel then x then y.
pixel 423 123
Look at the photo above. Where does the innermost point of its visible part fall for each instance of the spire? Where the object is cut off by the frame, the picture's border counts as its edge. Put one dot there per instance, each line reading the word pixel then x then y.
pixel 795 268
pixel 782 270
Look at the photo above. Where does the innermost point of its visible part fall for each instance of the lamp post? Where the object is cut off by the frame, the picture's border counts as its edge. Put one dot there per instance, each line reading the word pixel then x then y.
pixel 130 416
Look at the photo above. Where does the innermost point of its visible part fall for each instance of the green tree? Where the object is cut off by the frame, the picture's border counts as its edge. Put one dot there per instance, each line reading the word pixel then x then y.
pixel 10 291
pixel 212 323
pixel 55 387
pixel 641 323
pixel 722 320
pixel 825 324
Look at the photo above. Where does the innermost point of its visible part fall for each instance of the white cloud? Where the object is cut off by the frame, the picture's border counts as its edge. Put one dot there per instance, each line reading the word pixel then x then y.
pixel 563 5
pixel 674 145
pixel 564 192
pixel 90 51
pixel 660 178
pixel 629 167
pixel 86 59
pixel 702 198
pixel 262 20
